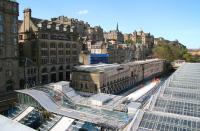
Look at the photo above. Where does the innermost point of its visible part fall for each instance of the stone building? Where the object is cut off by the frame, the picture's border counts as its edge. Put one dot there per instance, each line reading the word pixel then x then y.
pixel 113 78
pixel 118 53
pixel 83 29
pixel 140 37
pixel 53 46
pixel 9 65
pixel 114 36
pixel 95 34
pixel 76 25
pixel 140 51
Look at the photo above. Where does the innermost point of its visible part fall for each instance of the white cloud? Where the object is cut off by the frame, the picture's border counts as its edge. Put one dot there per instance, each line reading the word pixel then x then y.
pixel 83 12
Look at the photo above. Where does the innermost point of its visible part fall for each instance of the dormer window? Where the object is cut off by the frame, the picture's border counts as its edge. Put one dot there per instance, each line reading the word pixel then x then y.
pixel 57 27
pixel 39 25
pixel 44 26
pixel 71 30
pixel 48 26
pixel 64 29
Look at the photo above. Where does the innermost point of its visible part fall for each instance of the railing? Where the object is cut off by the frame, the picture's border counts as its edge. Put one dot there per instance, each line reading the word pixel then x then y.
pixel 61 94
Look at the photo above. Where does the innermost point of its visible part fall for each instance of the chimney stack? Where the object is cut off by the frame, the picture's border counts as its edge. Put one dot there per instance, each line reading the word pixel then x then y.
pixel 27 19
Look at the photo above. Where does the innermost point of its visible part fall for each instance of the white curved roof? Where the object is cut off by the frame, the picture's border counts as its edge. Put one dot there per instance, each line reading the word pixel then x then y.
pixel 97 118
pixel 7 124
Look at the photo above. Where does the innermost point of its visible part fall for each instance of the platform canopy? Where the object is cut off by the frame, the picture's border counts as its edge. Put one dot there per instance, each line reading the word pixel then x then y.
pixel 7 124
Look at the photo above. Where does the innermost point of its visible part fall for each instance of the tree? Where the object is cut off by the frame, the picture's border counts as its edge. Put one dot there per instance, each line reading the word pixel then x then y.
pixel 170 52
pixel 129 42
pixel 187 57
pixel 163 52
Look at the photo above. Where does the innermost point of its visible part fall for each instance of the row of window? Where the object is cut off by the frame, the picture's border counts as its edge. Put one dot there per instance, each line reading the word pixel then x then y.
pixel 53 69
pixel 13 19
pixel 87 86
pixel 10 7
pixel 13 39
pixel 54 27
pixel 13 29
pixel 60 52
pixel 59 45
pixel 31 71
pixel 59 60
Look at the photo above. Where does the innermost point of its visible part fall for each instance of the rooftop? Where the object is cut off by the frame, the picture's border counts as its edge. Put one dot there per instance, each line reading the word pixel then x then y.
pixel 96 67
pixel 105 67
pixel 176 106
pixel 56 98
pixel 9 125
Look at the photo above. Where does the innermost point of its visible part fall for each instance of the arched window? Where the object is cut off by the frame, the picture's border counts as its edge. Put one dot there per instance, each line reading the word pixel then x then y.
pixel 67 45
pixel 53 69
pixel 60 68
pixel 44 70
pixel 68 28
pixel 52 45
pixel 60 45
pixel 132 74
pixel 68 67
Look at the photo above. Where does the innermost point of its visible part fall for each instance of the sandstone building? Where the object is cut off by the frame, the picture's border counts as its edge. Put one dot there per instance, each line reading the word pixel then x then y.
pixel 114 36
pixel 113 78
pixel 140 37
pixel 48 49
pixel 9 69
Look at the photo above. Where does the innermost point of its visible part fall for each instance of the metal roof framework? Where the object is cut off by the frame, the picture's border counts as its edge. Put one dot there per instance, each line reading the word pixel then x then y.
pixel 177 104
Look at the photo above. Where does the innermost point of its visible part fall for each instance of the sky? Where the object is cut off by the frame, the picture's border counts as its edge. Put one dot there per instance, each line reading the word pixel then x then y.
pixel 171 19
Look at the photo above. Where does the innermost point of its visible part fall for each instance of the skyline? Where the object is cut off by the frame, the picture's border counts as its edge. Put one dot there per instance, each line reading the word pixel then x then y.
pixel 169 19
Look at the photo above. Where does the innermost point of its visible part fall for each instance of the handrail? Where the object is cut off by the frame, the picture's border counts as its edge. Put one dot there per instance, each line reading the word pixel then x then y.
pixel 71 103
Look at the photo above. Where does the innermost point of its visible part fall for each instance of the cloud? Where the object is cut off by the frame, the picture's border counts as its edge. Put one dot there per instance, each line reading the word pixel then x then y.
pixel 83 12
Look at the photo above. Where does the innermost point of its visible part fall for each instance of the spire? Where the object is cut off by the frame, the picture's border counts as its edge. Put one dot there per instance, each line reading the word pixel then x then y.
pixel 117 29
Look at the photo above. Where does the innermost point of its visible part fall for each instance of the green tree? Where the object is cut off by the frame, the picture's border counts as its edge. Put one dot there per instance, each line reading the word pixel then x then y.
pixel 168 51
pixel 129 42
pixel 163 52
pixel 187 57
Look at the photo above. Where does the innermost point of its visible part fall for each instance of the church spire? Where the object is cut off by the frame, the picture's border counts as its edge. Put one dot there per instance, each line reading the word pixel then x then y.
pixel 117 29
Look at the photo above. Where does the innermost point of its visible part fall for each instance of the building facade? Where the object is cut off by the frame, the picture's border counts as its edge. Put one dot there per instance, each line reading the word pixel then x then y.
pixel 140 37
pixel 114 36
pixel 83 29
pixel 114 78
pixel 76 25
pixel 94 34
pixel 9 66
pixel 118 53
pixel 53 46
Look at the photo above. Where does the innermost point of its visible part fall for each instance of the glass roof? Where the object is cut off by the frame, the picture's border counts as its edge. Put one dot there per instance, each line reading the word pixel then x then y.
pixel 176 107
pixel 153 121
